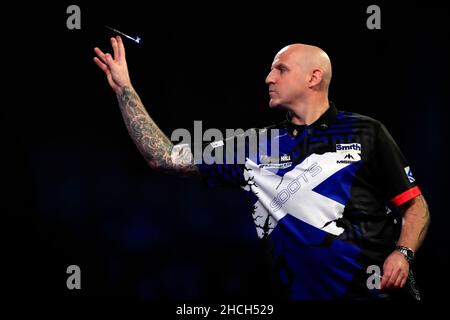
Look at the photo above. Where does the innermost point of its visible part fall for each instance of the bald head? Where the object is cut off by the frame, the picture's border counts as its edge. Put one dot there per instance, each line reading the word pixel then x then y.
pixel 299 76
pixel 310 59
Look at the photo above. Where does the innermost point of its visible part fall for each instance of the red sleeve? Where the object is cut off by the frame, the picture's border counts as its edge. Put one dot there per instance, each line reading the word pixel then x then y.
pixel 406 196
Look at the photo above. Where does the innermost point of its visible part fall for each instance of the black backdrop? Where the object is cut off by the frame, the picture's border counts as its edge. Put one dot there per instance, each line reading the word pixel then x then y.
pixel 76 190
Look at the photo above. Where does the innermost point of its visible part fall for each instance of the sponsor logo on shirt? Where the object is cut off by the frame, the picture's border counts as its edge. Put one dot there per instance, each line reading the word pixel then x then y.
pixel 284 161
pixel 352 152
pixel 349 156
pixel 276 165
pixel 302 180
pixel 346 147
pixel 409 174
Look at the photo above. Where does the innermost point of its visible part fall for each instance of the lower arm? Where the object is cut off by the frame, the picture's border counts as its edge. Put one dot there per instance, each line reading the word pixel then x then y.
pixel 416 219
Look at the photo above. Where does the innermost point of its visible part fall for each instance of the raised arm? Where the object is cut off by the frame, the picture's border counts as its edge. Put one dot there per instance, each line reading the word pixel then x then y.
pixel 153 144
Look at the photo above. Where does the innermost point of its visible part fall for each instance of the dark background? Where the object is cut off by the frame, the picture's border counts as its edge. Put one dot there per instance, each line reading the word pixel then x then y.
pixel 77 191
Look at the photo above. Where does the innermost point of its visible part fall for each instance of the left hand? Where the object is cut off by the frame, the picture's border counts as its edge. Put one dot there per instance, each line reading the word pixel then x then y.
pixel 395 271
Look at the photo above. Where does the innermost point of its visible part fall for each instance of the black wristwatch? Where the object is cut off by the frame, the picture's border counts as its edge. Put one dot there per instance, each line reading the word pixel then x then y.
pixel 407 252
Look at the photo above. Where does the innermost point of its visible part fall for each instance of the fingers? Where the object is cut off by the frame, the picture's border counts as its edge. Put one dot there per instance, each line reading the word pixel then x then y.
pixel 100 54
pixel 102 66
pixel 121 47
pixel 386 278
pixel 402 284
pixel 115 47
pixel 400 281
pixel 395 271
pixel 118 49
pixel 393 280
pixel 402 278
pixel 104 61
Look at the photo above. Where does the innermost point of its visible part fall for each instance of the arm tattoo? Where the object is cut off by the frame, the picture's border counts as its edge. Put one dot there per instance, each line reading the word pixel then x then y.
pixel 150 140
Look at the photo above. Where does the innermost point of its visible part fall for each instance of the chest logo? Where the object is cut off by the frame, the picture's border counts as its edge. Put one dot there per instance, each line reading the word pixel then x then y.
pixel 348 147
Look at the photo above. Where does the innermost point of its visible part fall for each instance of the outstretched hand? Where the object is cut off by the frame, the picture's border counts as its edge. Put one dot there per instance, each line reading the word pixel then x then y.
pixel 116 68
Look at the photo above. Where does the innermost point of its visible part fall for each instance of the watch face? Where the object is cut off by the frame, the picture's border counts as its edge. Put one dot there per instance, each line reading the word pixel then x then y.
pixel 408 253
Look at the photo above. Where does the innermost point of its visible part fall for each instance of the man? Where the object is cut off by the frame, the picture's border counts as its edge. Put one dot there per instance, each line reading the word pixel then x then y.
pixel 323 211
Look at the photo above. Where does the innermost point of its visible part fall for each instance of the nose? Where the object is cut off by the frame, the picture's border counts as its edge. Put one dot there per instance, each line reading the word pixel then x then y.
pixel 270 78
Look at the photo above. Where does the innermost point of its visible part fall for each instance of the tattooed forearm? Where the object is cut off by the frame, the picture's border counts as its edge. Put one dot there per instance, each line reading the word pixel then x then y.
pixel 150 140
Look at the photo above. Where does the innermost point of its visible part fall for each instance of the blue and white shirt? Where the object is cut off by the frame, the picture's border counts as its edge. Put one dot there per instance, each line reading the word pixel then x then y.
pixel 323 200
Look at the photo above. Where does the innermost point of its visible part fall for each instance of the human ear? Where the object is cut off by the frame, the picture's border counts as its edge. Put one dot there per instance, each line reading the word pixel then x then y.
pixel 316 77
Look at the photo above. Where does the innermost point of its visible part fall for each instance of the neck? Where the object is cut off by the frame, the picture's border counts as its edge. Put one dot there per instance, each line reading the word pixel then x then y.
pixel 307 112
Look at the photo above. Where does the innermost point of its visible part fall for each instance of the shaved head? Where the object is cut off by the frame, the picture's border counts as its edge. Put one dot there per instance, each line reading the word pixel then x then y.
pixel 299 78
pixel 310 58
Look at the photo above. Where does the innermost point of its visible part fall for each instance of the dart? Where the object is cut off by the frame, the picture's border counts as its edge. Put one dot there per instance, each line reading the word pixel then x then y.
pixel 137 40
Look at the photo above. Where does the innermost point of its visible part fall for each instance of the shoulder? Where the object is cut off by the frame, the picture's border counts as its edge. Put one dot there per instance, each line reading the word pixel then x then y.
pixel 343 116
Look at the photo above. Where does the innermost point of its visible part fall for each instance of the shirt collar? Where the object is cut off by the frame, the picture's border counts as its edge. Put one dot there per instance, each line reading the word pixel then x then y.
pixel 323 122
